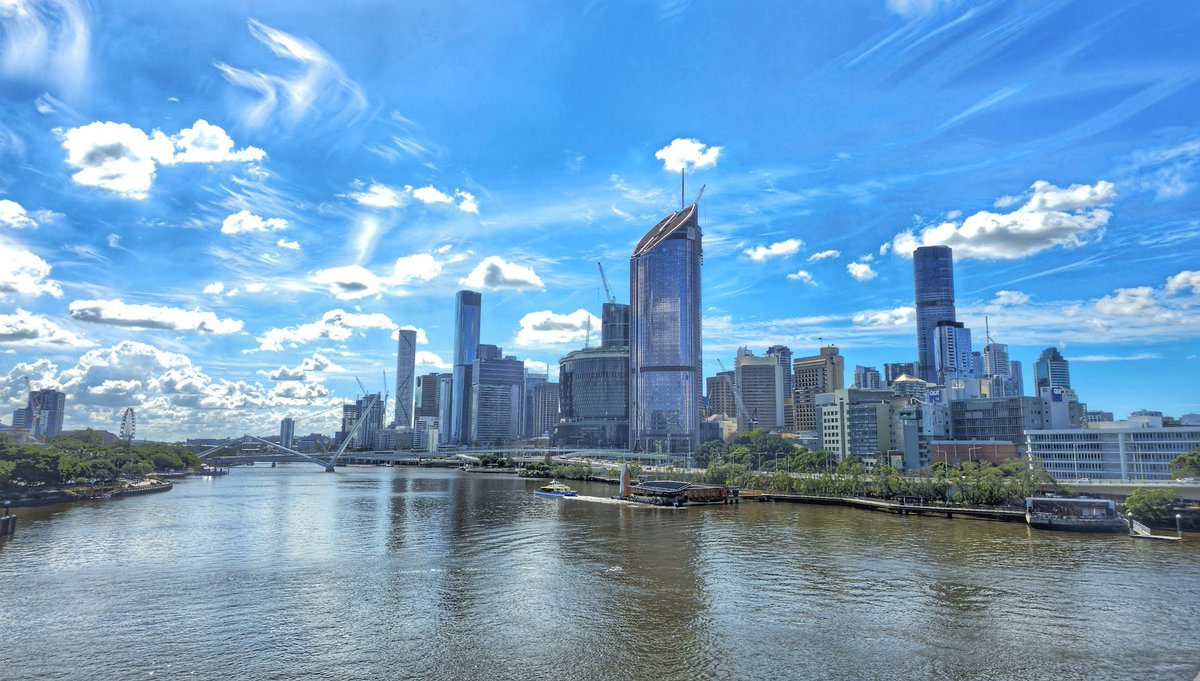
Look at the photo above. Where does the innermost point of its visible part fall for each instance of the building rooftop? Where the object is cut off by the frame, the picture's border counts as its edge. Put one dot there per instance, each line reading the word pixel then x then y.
pixel 681 219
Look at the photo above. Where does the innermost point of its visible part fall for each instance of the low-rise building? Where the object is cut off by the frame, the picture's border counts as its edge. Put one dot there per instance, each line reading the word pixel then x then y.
pixel 1121 450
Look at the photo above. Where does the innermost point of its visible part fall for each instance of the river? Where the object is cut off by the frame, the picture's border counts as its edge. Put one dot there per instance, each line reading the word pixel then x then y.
pixel 391 573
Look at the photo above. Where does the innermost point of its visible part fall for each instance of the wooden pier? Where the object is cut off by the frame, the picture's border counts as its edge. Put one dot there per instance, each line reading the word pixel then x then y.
pixel 999 514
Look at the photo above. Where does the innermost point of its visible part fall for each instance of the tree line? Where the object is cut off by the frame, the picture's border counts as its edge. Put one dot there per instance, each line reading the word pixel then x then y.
pixel 82 458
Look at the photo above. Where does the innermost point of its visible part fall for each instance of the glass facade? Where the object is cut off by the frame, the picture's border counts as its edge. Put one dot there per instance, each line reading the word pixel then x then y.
pixel 665 353
pixel 933 284
pixel 466 342
pixel 406 354
pixel 593 390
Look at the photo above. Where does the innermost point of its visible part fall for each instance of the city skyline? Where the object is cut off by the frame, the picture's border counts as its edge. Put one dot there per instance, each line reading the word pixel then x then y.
pixel 232 237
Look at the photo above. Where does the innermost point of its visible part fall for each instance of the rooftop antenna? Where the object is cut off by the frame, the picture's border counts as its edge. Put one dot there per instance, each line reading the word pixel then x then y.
pixel 587 339
pixel 682 184
pixel 987 334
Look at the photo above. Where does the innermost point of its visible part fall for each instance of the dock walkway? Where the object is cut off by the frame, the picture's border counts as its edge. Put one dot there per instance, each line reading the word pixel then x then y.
pixel 1000 514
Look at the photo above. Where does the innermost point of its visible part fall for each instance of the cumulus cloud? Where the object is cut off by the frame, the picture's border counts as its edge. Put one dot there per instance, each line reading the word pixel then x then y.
pixel 1128 302
pixel 316 84
pixel 897 316
pixel 378 195
pixel 824 255
pixel 24 329
pixel 124 159
pixel 549 328
pixel 334 325
pixel 422 337
pixel 1188 279
pixel 318 363
pixel 779 249
pixel 429 359
pixel 214 289
pixel 46 41
pixel 493 273
pixel 1051 216
pixel 256 287
pixel 289 245
pixel 12 214
pixel 23 273
pixel 802 276
pixel 861 271
pixel 243 222
pixel 120 313
pixel 1010 298
pixel 687 153
pixel 350 282
pixel 431 195
pixel 466 201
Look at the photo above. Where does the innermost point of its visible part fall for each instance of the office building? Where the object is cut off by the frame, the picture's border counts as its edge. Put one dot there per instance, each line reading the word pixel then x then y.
pixel 614 325
pixel 665 342
pixel 811 376
pixel 533 378
pixel 427 396
pixel 894 370
pixel 287 432
pixel 425 434
pixel 1122 450
pixel 720 395
pixel 783 354
pixel 467 312
pixel 910 386
pixel 954 359
pixel 42 416
pixel 916 426
pixel 406 354
pixel 859 423
pixel 445 394
pixel 1051 370
pixel 497 397
pixel 867 378
pixel 593 395
pixel 545 409
pixel 761 383
pixel 933 285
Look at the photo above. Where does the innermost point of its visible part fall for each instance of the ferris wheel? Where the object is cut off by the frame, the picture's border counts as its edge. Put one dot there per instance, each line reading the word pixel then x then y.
pixel 128 425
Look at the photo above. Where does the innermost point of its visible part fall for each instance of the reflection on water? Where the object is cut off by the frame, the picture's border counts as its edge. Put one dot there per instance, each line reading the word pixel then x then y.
pixel 405 573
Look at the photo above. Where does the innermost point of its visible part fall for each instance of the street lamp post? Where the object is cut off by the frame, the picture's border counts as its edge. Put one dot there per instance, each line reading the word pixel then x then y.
pixel 971 452
pixel 1178 529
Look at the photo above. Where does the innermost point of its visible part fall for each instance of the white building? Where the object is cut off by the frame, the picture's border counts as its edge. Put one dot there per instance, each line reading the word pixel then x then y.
pixel 1122 450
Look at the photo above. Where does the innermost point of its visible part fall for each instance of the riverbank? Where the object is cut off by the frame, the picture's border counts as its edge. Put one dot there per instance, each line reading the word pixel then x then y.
pixel 902 508
pixel 88 493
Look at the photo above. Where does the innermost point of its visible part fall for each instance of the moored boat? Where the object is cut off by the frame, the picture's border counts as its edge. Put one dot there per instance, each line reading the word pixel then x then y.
pixel 555 489
pixel 1074 515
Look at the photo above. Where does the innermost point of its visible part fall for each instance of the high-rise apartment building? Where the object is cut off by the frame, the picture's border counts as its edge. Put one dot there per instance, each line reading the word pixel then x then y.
pixel 933 284
pixel 445 393
pixel 427 396
pixel 761 383
pixel 406 355
pixel 665 342
pixel 545 409
pixel 467 312
pixel 1051 370
pixel 719 389
pixel 955 361
pixel 783 355
pixel 287 432
pixel 894 370
pixel 867 378
pixel 811 376
pixel 533 378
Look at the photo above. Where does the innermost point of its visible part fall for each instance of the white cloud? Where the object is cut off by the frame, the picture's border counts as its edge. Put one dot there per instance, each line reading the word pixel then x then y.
pixel 318 363
pixel 861 271
pixel 318 84
pixel 124 159
pixel 119 313
pixel 416 267
pixel 802 276
pixel 429 359
pixel 1188 279
pixel 1128 302
pixel 289 245
pixel 334 325
pixel 1010 298
pixel 1115 358
pixel 256 287
pixel 537 367
pixel 12 214
pixel 493 272
pixel 430 195
pixel 631 193
pixel 687 153
pixel 549 328
pixel 422 337
pixel 23 273
pixel 823 255
pixel 779 249
pixel 23 329
pixel 350 282
pixel 897 316
pixel 243 222
pixel 1051 216
pixel 46 40
pixel 214 289
pixel 378 195
pixel 913 9
pixel 467 202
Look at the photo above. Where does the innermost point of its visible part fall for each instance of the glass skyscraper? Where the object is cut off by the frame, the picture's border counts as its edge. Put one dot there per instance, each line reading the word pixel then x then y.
pixel 1051 370
pixel 665 355
pixel 406 353
pixel 933 283
pixel 468 306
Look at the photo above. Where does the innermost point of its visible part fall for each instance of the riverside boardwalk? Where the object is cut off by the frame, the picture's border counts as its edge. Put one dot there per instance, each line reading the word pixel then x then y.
pixel 1000 514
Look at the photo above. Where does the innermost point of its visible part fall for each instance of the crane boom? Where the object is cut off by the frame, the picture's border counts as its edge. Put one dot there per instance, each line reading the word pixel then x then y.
pixel 737 396
pixel 699 194
pixel 604 280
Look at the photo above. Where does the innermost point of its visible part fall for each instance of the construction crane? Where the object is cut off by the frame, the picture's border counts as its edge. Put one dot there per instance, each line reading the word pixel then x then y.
pixel 737 397
pixel 604 280
pixel 699 194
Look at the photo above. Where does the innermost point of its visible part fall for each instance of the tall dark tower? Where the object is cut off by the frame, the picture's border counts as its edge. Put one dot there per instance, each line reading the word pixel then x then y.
pixel 933 282
pixel 665 353
pixel 469 305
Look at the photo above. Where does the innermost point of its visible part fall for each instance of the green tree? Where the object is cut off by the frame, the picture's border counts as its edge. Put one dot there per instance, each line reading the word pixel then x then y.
pixel 1186 465
pixel 1152 505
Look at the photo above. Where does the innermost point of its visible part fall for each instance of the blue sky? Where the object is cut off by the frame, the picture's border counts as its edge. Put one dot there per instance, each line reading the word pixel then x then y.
pixel 220 218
